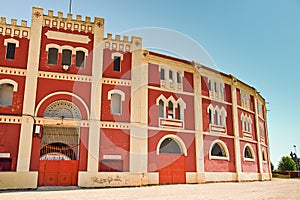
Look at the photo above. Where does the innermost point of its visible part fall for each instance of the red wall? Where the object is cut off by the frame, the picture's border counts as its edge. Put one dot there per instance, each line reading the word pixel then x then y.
pixel 115 142
pixel 18 96
pixel 108 65
pixel 188 139
pixel 188 82
pixel 105 104
pixel 204 86
pixel 9 141
pixel 21 53
pixel 249 166
pixel 83 148
pixel 219 165
pixel 153 75
pixel 44 66
pixel 189 122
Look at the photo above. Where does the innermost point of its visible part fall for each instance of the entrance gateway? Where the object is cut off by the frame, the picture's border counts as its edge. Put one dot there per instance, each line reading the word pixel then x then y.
pixel 59 153
pixel 171 162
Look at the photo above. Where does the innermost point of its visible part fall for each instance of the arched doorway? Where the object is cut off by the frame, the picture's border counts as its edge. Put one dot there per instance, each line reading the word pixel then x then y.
pixel 171 160
pixel 60 146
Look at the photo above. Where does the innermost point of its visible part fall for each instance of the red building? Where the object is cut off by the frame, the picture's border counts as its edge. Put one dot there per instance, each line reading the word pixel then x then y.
pixel 78 108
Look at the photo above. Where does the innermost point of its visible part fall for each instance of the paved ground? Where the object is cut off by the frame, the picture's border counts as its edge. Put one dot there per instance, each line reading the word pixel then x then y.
pixel 276 189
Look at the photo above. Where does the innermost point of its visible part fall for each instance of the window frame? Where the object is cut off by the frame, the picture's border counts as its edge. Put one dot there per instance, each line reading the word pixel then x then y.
pixel 80 62
pixel 222 145
pixel 122 95
pixel 65 57
pixel 250 149
pixel 10 51
pixel 56 56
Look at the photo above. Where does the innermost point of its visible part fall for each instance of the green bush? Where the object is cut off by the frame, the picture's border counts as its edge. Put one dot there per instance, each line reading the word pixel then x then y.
pixel 286 164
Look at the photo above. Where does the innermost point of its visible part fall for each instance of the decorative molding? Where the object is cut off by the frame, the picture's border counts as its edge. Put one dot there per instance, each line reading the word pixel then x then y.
pixel 14 30
pixel 114 125
pixel 67 77
pixel 10 119
pixel 12 71
pixel 68 37
pixel 116 82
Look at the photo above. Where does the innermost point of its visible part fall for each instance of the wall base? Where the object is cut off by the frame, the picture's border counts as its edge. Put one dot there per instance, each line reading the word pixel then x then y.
pixel 18 180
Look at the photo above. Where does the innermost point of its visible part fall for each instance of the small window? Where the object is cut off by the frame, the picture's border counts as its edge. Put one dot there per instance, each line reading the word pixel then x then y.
pixel 216 87
pixel 52 56
pixel 170 75
pixel 218 150
pixel 179 110
pixel 162 74
pixel 161 108
pixel 116 104
pixel 170 110
pixel 117 63
pixel 6 94
pixel 248 153
pixel 80 56
pixel 66 57
pixel 178 77
pixel 216 118
pixel 209 85
pixel 10 50
pixel 210 116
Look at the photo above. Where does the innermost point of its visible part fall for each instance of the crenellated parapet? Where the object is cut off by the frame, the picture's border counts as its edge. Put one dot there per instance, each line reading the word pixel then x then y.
pixel 70 23
pixel 122 44
pixel 14 29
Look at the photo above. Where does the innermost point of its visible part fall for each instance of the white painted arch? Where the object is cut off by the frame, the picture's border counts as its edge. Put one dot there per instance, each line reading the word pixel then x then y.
pixel 222 144
pixel 59 93
pixel 10 81
pixel 177 139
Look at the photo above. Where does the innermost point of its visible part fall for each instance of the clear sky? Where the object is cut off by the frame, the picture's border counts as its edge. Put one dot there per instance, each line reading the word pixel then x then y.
pixel 256 41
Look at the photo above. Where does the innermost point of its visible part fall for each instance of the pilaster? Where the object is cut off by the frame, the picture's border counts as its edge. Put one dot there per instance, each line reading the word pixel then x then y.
pixel 25 143
pixel 235 120
pixel 139 110
pixel 96 88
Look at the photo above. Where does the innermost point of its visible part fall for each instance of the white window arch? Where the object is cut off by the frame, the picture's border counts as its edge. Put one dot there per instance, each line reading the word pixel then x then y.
pixel 116 97
pixel 218 150
pixel 181 107
pixel 7 88
pixel 211 111
pixel 162 107
pixel 11 40
pixel 176 138
pixel 248 153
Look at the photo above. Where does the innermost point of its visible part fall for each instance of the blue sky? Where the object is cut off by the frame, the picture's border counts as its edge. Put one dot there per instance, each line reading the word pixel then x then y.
pixel 256 41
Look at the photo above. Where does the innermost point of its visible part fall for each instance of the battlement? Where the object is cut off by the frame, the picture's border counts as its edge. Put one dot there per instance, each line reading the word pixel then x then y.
pixel 68 22
pixel 13 28
pixel 122 44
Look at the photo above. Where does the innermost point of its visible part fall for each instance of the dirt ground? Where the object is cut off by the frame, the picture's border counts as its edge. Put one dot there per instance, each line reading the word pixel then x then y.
pixel 275 189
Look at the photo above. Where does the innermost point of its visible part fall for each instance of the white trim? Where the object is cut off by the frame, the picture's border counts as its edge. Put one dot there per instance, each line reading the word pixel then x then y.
pixel 4 155
pixel 66 47
pixel 48 46
pixel 117 54
pixel 82 49
pixel 10 81
pixel 11 40
pixel 173 137
pixel 220 142
pixel 112 157
pixel 252 152
pixel 163 98
pixel 58 93
pixel 121 93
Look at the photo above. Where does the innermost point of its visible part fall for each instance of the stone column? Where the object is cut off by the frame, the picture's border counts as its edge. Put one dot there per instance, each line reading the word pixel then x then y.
pixel 259 152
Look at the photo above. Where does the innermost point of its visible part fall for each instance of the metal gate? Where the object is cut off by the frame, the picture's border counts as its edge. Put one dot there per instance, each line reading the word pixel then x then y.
pixel 59 157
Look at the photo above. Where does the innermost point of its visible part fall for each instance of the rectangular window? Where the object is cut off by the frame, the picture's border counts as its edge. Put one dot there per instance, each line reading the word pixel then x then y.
pixel 178 77
pixel 117 63
pixel 52 56
pixel 66 57
pixel 10 51
pixel 162 74
pixel 116 104
pixel 6 94
pixel 80 56
pixel 170 76
pixel 209 85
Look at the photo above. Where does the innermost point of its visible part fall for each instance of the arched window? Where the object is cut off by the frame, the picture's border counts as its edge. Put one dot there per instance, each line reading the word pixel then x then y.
pixel 217 118
pixel 116 104
pixel 170 146
pixel 170 110
pixel 210 113
pixel 66 57
pixel 218 150
pixel 248 153
pixel 179 111
pixel 52 56
pixel 161 108
pixel 80 56
pixel 62 109
pixel 6 94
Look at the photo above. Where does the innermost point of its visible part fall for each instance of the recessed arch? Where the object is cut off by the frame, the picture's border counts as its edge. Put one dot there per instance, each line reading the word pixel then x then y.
pixel 62 109
pixel 121 93
pixel 223 149
pixel 62 93
pixel 163 98
pixel 177 139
